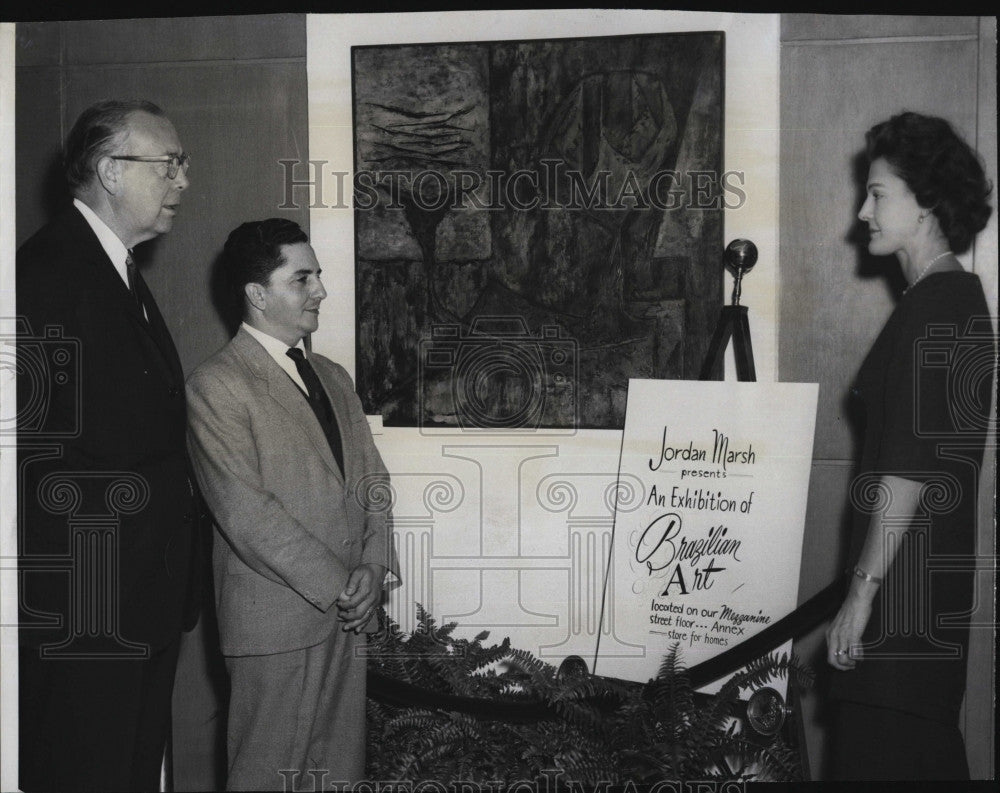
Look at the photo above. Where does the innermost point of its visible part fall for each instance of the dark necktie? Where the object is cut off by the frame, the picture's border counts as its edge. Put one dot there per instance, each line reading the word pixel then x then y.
pixel 320 404
pixel 132 278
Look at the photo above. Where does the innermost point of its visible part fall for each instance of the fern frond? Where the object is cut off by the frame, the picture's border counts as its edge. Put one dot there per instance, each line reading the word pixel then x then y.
pixel 541 675
pixel 601 729
pixel 411 719
pixel 671 691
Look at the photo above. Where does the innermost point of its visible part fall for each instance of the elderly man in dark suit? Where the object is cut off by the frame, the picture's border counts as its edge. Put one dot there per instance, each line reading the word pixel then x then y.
pixel 107 502
pixel 289 469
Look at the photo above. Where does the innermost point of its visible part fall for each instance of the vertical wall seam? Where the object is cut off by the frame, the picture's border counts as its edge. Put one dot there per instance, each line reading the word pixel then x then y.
pixel 977 123
pixel 63 131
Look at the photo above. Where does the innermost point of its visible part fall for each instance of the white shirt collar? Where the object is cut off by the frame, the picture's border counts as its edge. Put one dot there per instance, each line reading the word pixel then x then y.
pixel 278 350
pixel 113 247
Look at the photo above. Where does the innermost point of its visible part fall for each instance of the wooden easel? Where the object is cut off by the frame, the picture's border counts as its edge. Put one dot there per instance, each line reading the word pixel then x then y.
pixel 732 323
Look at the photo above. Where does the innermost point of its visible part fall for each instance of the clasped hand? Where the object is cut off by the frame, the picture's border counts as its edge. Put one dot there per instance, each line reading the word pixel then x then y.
pixel 358 601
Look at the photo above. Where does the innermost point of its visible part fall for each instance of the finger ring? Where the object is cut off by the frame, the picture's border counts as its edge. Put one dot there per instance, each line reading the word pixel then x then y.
pixel 841 652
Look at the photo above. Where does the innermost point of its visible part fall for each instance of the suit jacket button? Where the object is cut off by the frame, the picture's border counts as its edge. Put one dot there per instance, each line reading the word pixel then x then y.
pixel 346 543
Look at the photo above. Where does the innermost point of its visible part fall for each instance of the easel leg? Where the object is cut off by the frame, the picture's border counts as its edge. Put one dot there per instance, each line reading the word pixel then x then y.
pixel 733 323
pixel 745 371
pixel 720 338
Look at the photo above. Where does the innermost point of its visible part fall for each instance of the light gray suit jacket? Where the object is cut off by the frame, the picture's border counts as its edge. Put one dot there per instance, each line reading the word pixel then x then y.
pixel 289 528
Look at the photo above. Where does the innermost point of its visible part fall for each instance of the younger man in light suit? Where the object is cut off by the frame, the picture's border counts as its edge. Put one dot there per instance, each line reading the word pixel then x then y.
pixel 283 452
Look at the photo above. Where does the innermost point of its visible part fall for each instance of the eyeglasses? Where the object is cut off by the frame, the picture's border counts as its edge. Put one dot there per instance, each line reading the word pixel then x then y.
pixel 175 162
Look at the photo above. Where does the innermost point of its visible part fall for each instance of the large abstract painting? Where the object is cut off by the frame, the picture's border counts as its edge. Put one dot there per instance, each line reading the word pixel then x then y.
pixel 536 222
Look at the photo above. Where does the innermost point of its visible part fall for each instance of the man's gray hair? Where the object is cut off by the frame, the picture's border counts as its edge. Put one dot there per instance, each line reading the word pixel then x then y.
pixel 98 131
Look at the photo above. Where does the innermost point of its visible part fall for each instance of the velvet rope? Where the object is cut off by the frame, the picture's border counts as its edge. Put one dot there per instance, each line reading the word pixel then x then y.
pixel 819 607
pixel 806 617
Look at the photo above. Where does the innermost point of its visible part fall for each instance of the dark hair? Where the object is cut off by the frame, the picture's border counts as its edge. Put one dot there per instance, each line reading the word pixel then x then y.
pixel 943 171
pixel 98 131
pixel 253 251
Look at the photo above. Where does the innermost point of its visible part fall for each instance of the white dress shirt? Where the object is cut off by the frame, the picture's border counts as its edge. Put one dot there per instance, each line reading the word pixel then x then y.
pixel 278 350
pixel 113 246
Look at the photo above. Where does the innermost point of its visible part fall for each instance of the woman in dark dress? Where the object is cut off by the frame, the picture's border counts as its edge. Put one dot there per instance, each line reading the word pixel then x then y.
pixel 900 639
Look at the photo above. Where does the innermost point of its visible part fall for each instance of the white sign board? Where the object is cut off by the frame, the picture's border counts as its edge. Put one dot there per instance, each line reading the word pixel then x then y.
pixel 711 554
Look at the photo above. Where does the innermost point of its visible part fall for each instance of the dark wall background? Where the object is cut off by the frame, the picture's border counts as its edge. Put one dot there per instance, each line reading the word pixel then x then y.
pixel 235 89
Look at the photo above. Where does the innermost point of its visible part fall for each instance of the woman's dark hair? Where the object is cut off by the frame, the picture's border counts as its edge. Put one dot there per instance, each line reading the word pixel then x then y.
pixel 253 251
pixel 98 131
pixel 943 171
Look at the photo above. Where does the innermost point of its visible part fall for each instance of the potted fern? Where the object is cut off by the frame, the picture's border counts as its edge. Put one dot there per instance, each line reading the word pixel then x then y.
pixel 448 709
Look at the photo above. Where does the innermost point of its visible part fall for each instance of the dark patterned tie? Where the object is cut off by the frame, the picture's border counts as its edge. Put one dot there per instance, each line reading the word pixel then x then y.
pixel 131 274
pixel 320 404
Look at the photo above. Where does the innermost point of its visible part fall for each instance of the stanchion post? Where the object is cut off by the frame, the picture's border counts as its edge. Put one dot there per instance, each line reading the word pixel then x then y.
pixel 739 258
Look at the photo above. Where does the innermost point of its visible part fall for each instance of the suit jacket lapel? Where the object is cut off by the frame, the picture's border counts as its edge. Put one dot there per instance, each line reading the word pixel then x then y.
pixel 283 390
pixel 111 285
pixel 109 282
pixel 157 328
pixel 340 412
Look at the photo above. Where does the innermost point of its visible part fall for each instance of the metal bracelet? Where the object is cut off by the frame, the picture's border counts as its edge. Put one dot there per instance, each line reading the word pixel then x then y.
pixel 866 576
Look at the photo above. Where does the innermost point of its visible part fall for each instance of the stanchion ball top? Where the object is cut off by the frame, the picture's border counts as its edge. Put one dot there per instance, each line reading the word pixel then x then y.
pixel 740 256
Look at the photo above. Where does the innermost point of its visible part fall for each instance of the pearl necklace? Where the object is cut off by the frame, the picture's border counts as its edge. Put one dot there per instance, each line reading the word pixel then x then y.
pixel 923 272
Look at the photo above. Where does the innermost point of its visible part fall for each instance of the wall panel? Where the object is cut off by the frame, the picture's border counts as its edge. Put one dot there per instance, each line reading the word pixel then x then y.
pixel 830 97
pixel 826 28
pixel 187 39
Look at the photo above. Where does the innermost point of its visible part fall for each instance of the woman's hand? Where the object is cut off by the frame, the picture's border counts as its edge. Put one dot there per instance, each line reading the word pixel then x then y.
pixel 843 637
